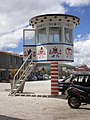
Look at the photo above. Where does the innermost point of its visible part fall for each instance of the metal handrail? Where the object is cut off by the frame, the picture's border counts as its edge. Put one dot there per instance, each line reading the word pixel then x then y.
pixel 20 69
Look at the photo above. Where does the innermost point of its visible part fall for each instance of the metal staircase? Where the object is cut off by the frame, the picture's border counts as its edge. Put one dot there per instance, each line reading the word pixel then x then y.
pixel 22 74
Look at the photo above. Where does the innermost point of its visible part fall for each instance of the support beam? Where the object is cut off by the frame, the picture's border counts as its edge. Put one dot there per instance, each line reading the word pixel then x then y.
pixel 54 78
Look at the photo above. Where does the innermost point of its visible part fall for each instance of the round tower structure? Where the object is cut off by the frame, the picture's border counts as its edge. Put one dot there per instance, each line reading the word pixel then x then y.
pixel 53 42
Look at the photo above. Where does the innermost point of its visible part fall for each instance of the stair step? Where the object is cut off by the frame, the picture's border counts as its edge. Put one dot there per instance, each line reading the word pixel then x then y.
pixel 14 90
pixel 20 80
pixel 17 85
pixel 31 65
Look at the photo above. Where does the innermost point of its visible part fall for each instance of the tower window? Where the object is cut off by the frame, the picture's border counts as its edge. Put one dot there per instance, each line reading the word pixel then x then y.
pixel 42 35
pixel 55 34
pixel 68 35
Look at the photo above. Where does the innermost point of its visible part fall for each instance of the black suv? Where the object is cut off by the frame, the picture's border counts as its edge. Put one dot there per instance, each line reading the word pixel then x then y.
pixel 78 79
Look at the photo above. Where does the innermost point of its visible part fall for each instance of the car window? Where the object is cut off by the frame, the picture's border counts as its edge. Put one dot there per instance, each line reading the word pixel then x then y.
pixel 68 79
pixel 83 79
pixel 88 79
pixel 78 79
pixel 75 79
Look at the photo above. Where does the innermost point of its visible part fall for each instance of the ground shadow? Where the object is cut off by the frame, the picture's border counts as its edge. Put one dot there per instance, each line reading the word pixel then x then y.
pixel 84 108
pixel 3 117
pixel 63 97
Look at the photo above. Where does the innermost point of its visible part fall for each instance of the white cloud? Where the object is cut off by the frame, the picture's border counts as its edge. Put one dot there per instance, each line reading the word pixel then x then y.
pixel 11 39
pixel 15 14
pixel 82 51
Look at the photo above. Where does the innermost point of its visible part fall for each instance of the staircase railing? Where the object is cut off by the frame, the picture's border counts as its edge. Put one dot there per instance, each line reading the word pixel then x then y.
pixel 22 68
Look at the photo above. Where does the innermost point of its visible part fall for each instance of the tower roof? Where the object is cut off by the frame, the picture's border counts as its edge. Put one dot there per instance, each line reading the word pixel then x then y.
pixel 53 18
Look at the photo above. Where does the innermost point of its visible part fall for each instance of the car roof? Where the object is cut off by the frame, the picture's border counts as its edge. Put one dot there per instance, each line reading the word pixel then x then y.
pixel 83 74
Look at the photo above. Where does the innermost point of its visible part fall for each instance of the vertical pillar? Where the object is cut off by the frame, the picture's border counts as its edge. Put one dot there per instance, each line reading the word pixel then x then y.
pixel 62 34
pixel 54 78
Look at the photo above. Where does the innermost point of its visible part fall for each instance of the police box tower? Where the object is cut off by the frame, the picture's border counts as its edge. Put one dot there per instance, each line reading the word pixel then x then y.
pixel 53 42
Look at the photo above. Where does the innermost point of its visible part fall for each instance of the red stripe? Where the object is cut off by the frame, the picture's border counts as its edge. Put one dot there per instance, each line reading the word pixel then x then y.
pixel 54 80
pixel 54 73
pixel 54 93
pixel 54 77
pixel 54 66
pixel 54 69
pixel 54 84
pixel 54 88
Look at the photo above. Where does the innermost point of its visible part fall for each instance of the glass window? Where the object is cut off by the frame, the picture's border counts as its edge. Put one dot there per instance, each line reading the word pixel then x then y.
pixel 68 35
pixel 42 35
pixel 16 60
pixel 28 37
pixel 81 78
pixel 88 79
pixel 10 59
pixel 55 34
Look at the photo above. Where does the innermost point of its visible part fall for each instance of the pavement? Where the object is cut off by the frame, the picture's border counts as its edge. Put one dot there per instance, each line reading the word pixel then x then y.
pixel 38 108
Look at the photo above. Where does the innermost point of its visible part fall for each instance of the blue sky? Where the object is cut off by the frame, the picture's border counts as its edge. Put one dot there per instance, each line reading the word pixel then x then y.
pixel 15 15
pixel 83 12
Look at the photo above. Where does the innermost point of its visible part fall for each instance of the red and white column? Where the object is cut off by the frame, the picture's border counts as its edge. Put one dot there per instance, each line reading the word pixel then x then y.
pixel 54 78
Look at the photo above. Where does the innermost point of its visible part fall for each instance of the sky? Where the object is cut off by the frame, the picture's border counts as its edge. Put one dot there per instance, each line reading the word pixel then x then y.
pixel 15 15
